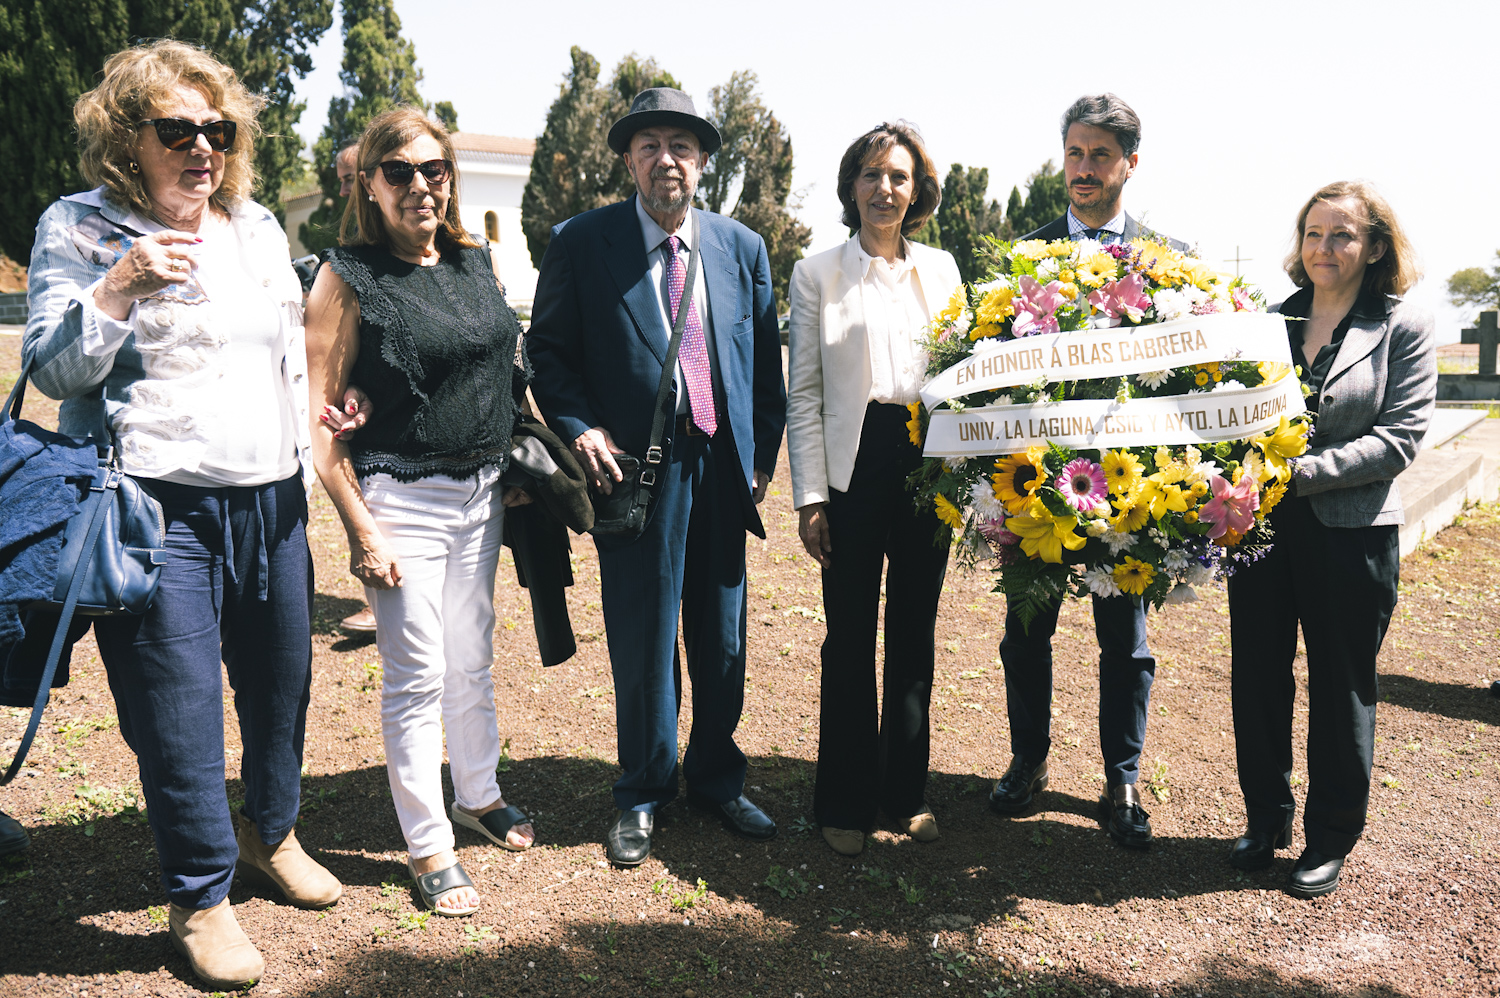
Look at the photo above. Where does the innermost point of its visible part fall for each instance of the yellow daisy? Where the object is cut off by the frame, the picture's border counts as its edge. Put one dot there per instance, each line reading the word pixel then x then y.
pixel 956 305
pixel 1122 470
pixel 1097 269
pixel 1273 494
pixel 947 512
pixel 1133 576
pixel 1133 514
pixel 995 307
pixel 1031 249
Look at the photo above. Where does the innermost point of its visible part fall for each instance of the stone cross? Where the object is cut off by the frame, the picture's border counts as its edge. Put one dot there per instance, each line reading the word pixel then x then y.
pixel 1488 338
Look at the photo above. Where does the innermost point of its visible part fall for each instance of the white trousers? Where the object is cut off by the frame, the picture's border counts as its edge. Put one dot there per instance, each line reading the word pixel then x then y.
pixel 435 634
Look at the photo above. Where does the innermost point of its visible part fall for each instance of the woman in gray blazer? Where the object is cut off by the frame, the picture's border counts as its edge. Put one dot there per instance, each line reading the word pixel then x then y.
pixel 856 363
pixel 1371 366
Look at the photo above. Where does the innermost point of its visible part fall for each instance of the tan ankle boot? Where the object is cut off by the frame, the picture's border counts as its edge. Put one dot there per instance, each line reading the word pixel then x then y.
pixel 215 946
pixel 286 867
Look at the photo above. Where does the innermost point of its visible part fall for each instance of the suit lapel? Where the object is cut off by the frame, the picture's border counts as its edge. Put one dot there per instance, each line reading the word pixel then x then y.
pixel 626 258
pixel 1132 229
pixel 720 270
pixel 1364 336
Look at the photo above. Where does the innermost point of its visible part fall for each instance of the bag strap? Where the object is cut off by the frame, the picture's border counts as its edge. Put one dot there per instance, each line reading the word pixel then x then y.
pixel 668 370
pixel 18 392
pixel 109 483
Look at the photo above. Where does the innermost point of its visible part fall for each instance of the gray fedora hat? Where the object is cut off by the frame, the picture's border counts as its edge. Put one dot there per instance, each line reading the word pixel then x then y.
pixel 663 106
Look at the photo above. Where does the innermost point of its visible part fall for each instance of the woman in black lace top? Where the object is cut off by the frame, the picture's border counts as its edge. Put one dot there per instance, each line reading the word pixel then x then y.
pixel 409 309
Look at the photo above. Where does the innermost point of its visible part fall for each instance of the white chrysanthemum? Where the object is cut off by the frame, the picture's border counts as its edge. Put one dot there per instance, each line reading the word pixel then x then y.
pixel 1228 385
pixel 1117 542
pixel 1047 269
pixel 988 286
pixel 1085 248
pixel 1195 294
pixel 1096 527
pixel 986 506
pixel 1153 379
pixel 1003 400
pixel 955 464
pixel 1101 582
pixel 1197 574
pixel 1170 304
pixel 1180 594
pixel 1204 470
pixel 1175 561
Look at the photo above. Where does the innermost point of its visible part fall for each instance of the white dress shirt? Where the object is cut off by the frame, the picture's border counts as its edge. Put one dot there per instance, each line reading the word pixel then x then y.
pixel 895 315
pixel 655 238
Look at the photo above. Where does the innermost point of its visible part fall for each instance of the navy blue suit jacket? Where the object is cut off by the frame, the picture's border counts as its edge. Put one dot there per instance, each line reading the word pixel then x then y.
pixel 597 341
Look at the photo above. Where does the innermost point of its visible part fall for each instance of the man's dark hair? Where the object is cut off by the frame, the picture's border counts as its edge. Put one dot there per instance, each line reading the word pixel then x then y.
pixel 1110 113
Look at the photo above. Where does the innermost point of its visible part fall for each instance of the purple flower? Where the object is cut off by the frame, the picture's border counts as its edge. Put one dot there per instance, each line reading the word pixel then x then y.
pixel 1035 306
pixel 995 531
pixel 1125 298
pixel 1083 485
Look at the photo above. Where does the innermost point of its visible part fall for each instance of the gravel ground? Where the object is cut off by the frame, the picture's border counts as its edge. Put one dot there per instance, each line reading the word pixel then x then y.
pixel 1044 904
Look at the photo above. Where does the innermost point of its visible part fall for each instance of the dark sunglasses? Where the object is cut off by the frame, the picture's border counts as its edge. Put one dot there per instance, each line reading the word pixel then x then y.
pixel 398 173
pixel 177 134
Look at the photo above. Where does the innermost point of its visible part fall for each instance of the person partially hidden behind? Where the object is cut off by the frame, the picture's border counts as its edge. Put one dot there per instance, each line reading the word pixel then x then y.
pixel 612 283
pixel 1100 137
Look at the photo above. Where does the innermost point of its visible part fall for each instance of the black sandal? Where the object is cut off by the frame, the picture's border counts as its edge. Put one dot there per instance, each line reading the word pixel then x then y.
pixel 493 825
pixel 433 887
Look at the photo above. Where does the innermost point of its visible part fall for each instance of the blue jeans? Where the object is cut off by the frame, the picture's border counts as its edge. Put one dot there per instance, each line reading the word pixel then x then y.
pixel 1126 669
pixel 237 585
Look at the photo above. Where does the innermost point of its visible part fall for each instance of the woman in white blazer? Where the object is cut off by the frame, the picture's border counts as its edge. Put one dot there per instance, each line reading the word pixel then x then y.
pixel 1370 363
pixel 858 317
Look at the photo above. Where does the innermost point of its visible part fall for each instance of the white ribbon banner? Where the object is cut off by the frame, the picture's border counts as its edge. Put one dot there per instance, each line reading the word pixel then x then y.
pixel 1110 353
pixel 1097 424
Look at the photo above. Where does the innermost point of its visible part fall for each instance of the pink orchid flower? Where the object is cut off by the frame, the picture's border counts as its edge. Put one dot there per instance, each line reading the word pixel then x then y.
pixel 1125 298
pixel 1242 300
pixel 1232 506
pixel 1035 306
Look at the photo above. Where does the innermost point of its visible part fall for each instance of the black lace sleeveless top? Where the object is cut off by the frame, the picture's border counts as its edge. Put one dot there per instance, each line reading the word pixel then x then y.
pixel 438 358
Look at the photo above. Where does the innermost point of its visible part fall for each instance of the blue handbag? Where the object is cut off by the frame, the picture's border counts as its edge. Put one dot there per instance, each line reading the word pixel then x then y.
pixel 112 553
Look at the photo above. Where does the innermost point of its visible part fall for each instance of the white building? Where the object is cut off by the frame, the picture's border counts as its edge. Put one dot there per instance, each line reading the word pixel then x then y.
pixel 493 170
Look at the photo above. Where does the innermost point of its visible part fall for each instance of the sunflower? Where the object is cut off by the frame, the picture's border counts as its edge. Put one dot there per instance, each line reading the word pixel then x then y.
pixel 914 425
pixel 1097 269
pixel 1133 576
pixel 1016 477
pixel 1122 470
pixel 947 512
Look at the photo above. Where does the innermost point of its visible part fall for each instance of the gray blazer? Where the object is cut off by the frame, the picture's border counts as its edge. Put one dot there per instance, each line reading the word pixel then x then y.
pixel 1373 412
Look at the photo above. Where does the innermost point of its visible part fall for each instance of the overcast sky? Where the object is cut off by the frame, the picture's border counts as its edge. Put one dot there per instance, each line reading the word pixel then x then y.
pixel 1246 108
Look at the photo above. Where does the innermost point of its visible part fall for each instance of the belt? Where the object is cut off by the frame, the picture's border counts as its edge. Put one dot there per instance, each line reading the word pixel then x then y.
pixel 686 427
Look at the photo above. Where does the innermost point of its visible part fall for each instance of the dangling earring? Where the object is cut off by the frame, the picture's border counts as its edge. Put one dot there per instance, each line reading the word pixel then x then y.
pixel 135 167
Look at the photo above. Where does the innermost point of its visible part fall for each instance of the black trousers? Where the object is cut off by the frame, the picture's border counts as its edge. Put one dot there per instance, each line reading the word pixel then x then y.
pixel 871 757
pixel 1340 584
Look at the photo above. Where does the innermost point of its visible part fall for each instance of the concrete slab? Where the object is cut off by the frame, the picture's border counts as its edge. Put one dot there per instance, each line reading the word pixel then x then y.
pixel 1463 467
pixel 1449 423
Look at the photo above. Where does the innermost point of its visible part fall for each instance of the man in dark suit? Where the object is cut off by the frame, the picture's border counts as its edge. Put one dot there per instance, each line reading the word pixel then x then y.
pixel 1100 137
pixel 611 284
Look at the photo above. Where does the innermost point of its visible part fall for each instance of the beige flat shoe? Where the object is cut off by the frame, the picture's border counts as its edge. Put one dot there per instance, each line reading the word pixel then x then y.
pixel 285 866
pixel 845 841
pixel 215 947
pixel 922 827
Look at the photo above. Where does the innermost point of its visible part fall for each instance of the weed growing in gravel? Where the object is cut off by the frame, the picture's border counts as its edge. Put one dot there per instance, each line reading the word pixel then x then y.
pixel 912 893
pixel 1039 837
pixel 413 920
pixel 611 939
pixel 801 825
pixel 787 883
pixel 371 680
pixel 1158 781
pixel 478 933
pixel 157 914
pixel 397 886
pixel 504 764
pixel 956 962
pixel 683 900
pixel 838 916
pixel 710 964
pixel 876 876
pixel 821 959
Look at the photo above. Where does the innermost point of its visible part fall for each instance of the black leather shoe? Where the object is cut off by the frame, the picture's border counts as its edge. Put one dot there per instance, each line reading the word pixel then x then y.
pixel 1255 850
pixel 739 816
pixel 1123 817
pixel 1021 783
pixel 1314 874
pixel 628 841
pixel 13 837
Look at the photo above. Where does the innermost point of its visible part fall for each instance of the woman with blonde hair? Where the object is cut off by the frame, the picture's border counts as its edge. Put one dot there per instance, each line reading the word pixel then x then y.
pixel 410 309
pixel 1370 365
pixel 166 314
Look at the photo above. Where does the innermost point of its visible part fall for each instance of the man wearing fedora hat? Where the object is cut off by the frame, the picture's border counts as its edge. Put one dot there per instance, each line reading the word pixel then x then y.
pixel 611 285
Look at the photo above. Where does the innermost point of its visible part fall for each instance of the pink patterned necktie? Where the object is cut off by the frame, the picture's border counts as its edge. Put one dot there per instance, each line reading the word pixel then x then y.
pixel 691 353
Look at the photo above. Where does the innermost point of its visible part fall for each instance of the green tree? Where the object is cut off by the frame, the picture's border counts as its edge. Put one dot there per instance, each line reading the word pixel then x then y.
pixel 965 218
pixel 379 71
pixel 756 157
pixel 573 169
pixel 1046 200
pixel 445 112
pixel 1475 287
pixel 47 60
